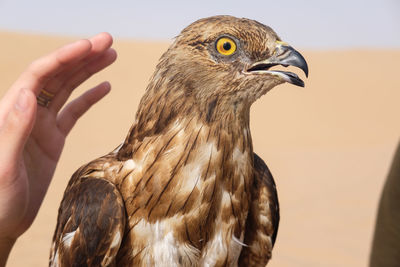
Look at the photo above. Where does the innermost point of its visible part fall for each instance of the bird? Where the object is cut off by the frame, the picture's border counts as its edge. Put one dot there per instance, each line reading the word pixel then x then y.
pixel 185 187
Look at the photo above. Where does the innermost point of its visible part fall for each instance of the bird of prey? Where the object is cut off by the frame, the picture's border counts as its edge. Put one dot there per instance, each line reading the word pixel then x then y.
pixel 185 187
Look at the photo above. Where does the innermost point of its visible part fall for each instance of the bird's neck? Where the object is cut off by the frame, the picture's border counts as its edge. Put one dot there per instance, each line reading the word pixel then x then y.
pixel 165 106
pixel 160 108
pixel 225 128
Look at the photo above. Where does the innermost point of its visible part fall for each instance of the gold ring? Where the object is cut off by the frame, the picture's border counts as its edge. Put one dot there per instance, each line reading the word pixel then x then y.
pixel 44 98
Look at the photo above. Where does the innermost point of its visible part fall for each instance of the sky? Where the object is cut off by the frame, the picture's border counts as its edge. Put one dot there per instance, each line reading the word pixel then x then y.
pixel 315 24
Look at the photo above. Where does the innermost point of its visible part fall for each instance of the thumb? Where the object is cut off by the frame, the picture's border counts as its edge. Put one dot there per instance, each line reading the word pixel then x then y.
pixel 16 129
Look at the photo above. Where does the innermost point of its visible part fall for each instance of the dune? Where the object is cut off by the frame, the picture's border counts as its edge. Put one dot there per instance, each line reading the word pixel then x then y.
pixel 329 145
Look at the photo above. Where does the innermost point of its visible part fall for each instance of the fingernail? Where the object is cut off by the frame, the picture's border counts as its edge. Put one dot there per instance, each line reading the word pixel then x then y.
pixel 107 85
pixel 22 101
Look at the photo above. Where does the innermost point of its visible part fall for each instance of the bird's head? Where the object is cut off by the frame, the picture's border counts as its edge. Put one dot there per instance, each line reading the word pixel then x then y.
pixel 224 55
pixel 219 63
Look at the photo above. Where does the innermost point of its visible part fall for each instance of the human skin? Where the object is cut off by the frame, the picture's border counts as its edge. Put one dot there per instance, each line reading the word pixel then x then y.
pixel 32 137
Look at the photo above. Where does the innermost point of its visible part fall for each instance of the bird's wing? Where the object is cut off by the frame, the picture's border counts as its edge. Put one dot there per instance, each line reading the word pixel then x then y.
pixel 263 218
pixel 90 225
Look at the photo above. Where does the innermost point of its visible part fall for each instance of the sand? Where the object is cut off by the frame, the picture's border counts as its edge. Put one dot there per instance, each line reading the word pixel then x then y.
pixel 328 145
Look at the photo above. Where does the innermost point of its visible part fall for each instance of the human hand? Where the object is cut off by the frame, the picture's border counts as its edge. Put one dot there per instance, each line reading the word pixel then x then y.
pixel 32 136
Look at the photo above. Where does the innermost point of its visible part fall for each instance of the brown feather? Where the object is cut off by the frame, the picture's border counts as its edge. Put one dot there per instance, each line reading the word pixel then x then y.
pixel 263 218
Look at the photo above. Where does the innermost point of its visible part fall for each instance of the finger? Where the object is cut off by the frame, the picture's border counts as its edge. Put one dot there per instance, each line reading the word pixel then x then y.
pixel 100 44
pixel 74 110
pixel 16 128
pixel 80 76
pixel 43 69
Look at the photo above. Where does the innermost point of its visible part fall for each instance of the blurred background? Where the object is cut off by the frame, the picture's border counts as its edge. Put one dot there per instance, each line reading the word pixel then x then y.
pixel 329 145
pixel 309 24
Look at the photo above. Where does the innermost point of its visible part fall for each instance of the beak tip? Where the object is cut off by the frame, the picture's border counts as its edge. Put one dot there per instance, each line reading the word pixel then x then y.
pixel 305 68
pixel 302 64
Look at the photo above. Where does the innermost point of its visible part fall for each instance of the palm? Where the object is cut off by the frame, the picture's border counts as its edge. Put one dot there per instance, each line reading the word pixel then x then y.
pixel 47 136
pixel 41 154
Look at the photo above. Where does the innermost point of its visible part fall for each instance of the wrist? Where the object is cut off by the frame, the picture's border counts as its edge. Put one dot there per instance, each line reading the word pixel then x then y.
pixel 6 245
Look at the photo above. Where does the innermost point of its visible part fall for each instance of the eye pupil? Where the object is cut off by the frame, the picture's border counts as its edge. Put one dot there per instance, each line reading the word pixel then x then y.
pixel 227 46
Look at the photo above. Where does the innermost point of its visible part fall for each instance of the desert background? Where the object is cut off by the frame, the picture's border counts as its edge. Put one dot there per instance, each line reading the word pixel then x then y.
pixel 329 145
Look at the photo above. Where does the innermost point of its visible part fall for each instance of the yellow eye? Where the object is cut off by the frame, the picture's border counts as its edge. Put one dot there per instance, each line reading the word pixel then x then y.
pixel 226 46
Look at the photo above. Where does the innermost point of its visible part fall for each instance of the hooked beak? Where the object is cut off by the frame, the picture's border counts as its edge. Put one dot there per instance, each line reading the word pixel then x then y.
pixel 284 55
